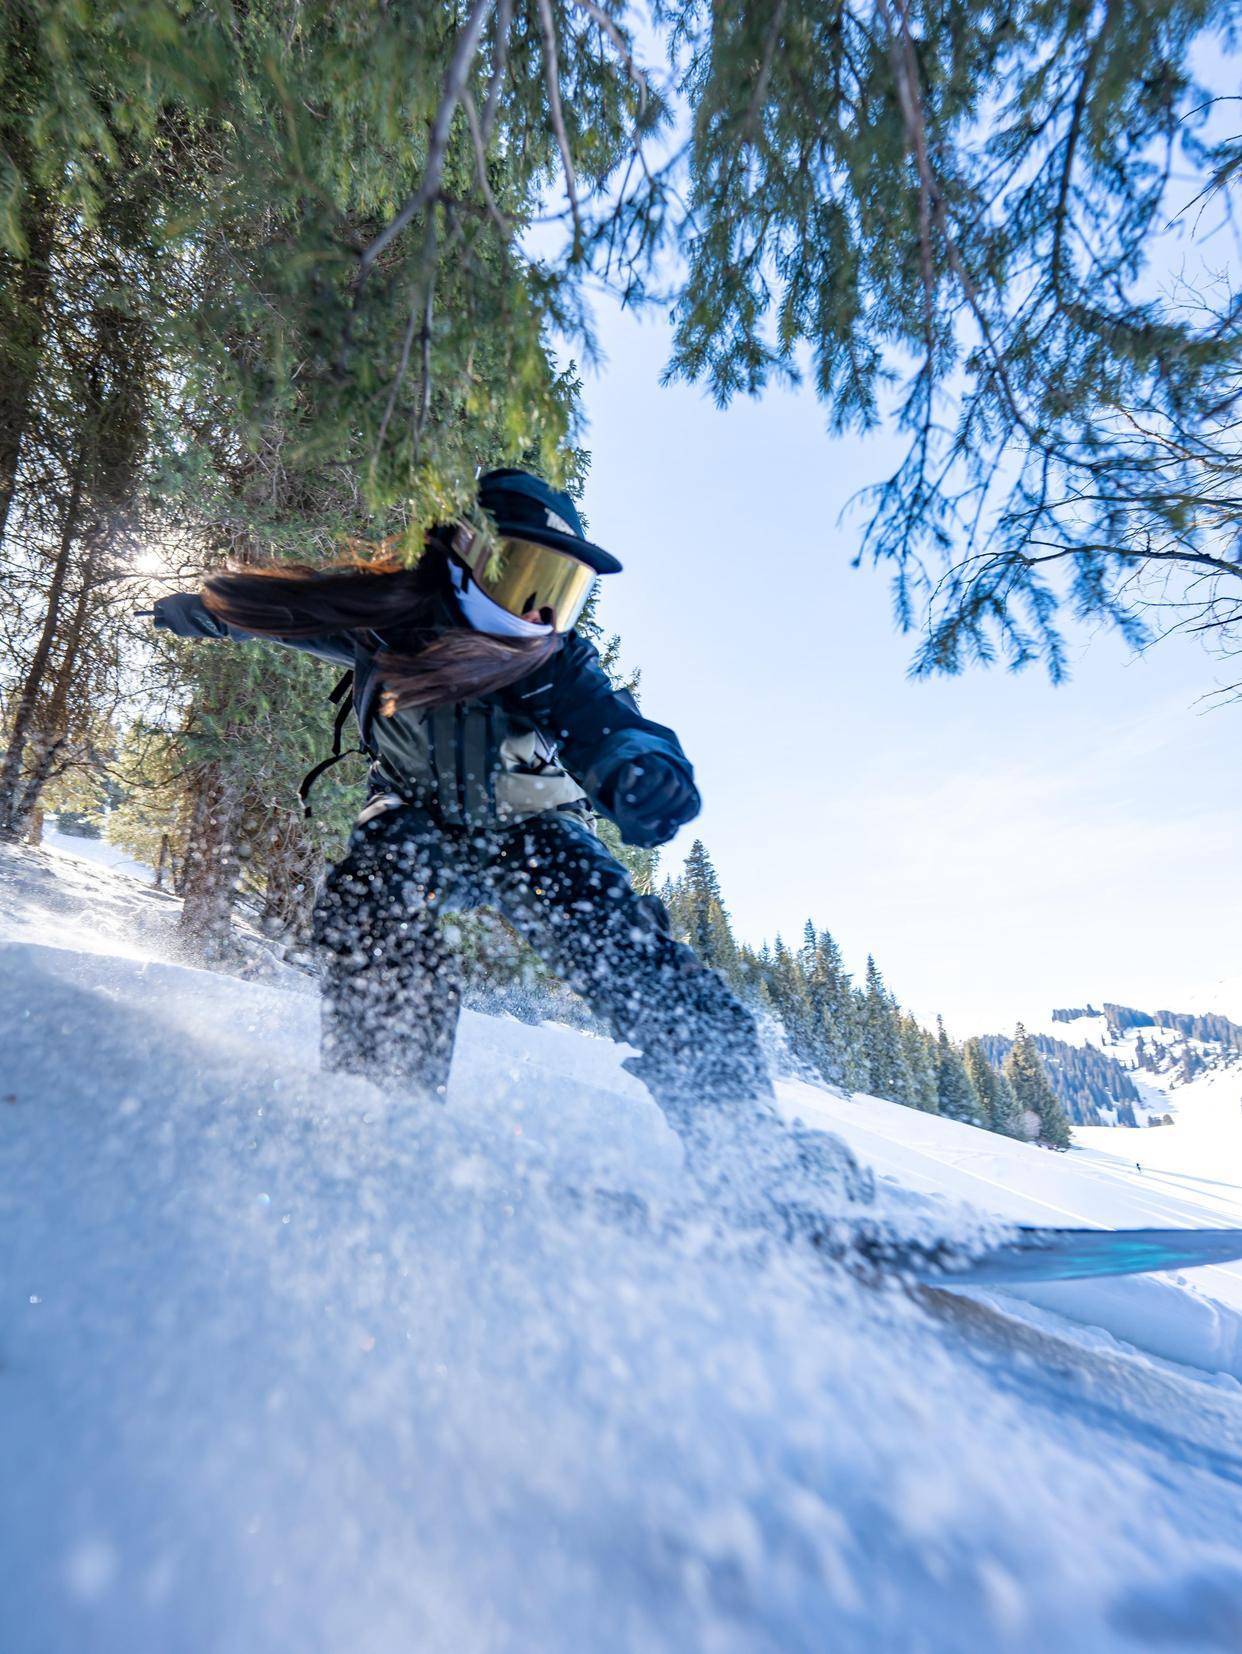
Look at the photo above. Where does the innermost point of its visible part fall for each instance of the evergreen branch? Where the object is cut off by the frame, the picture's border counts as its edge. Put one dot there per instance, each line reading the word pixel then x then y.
pixel 609 27
pixel 480 161
pixel 905 74
pixel 552 78
pixel 1108 548
pixel 751 120
pixel 1086 79
pixel 500 65
pixel 403 364
pixel 424 399
pixel 905 65
pixel 465 50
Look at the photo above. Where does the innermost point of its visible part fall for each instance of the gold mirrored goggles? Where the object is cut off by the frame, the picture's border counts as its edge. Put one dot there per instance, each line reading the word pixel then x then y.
pixel 528 580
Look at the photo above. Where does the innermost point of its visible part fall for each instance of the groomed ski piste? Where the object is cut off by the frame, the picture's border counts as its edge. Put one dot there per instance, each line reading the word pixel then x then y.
pixel 288 1364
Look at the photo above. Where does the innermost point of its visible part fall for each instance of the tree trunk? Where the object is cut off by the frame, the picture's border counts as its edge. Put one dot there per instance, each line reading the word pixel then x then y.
pixel 47 740
pixel 48 750
pixel 27 284
pixel 23 710
pixel 34 827
pixel 210 870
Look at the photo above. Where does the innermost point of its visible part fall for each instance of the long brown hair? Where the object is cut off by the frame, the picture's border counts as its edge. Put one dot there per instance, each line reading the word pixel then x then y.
pixel 423 662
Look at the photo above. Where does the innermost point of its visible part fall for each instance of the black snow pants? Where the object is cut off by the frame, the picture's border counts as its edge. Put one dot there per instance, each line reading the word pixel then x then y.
pixel 392 989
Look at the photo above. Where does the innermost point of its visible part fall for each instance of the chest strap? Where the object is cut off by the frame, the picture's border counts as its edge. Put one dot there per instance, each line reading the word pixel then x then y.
pixel 340 699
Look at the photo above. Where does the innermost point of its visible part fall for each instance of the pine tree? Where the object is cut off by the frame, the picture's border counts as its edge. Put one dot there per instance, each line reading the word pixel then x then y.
pixel 858 1069
pixel 1007 1114
pixel 698 905
pixel 920 1054
pixel 888 1073
pixel 957 1096
pixel 993 1090
pixel 1041 1110
pixel 702 880
pixel 831 1010
pixel 787 990
pixel 752 978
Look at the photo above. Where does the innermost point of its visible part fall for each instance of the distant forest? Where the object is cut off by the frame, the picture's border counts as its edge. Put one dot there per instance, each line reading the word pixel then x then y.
pixel 1087 1081
pixel 855 1034
pixel 1121 1019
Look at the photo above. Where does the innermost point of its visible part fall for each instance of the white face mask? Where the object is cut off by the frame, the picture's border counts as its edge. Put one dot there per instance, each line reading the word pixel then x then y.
pixel 482 615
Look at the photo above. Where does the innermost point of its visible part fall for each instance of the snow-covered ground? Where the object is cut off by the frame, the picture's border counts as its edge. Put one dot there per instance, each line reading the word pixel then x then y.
pixel 98 851
pixel 291 1364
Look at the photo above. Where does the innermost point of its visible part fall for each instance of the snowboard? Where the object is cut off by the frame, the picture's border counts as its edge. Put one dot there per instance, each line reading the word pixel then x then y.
pixel 1029 1254
pixel 1036 1254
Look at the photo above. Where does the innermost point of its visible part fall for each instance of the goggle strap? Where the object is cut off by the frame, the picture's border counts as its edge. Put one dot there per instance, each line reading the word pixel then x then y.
pixel 463 542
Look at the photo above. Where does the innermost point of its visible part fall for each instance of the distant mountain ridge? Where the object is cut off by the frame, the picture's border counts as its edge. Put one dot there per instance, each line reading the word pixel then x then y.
pixel 1154 1052
pixel 1212 1028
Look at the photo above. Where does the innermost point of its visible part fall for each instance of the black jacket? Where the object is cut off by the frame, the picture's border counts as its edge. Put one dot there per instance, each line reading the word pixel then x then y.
pixel 596 728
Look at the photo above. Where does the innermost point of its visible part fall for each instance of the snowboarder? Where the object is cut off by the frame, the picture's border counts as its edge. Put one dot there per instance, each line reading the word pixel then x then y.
pixel 495 736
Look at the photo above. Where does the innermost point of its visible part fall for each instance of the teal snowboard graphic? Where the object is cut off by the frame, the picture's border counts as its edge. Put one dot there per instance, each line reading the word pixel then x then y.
pixel 1050 1254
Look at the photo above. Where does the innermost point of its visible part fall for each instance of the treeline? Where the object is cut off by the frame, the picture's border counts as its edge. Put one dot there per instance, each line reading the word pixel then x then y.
pixel 1094 1088
pixel 1211 1028
pixel 856 1035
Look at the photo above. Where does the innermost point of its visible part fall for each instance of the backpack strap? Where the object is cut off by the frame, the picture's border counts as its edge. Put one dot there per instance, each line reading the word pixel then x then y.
pixel 340 698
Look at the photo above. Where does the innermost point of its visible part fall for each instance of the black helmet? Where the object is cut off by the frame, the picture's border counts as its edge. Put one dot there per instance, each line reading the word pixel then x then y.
pixel 527 508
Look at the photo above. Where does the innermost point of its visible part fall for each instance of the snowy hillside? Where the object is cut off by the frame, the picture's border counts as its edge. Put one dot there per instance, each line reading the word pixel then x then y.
pixel 1118 1066
pixel 1187 1066
pixel 289 1364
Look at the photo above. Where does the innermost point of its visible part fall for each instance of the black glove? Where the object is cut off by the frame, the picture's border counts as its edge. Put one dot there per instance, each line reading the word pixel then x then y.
pixel 650 799
pixel 186 615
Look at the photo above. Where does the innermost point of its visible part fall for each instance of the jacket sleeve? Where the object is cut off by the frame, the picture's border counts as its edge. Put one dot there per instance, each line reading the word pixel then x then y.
pixel 598 728
pixel 186 615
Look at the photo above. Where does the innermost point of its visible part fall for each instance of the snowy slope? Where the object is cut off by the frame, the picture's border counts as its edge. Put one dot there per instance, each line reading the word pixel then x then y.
pixel 295 1366
pixel 97 851
pixel 1195 1319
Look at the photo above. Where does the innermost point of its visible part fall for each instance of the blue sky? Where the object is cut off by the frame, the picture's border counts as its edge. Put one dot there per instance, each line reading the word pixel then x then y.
pixel 1000 846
